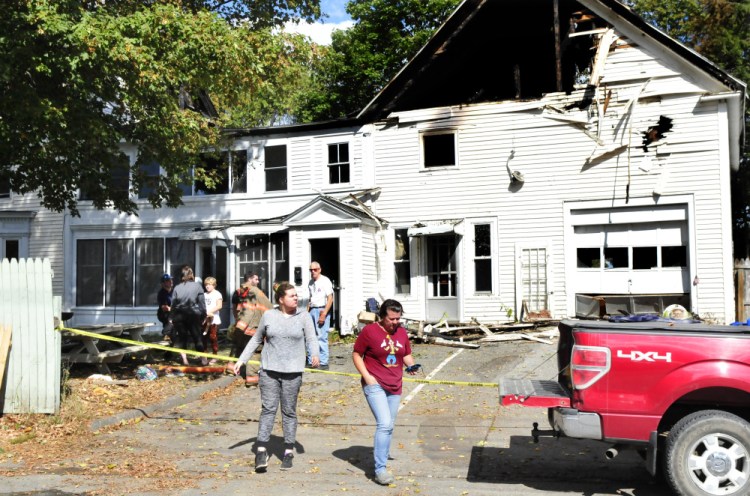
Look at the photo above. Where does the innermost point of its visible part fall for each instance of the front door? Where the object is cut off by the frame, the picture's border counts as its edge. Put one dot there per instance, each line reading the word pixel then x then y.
pixel 442 277
pixel 325 251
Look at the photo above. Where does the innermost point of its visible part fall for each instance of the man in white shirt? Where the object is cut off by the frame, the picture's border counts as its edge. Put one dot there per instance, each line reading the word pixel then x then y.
pixel 319 305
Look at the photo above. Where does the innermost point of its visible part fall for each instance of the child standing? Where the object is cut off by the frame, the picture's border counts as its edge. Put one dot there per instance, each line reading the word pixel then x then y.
pixel 214 302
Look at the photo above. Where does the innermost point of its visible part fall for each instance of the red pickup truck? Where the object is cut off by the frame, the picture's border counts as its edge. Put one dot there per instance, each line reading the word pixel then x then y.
pixel 677 392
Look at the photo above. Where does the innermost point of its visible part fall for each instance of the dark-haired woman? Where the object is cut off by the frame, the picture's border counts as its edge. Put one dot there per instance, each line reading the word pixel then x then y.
pixel 288 335
pixel 380 353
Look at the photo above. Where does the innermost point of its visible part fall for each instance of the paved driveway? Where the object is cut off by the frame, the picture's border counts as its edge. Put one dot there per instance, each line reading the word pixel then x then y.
pixel 449 440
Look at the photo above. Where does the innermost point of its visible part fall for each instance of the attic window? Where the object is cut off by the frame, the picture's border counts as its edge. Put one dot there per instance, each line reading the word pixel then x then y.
pixel 439 149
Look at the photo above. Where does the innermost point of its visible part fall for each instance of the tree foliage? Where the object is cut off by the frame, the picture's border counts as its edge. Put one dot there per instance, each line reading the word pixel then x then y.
pixel 362 59
pixel 79 79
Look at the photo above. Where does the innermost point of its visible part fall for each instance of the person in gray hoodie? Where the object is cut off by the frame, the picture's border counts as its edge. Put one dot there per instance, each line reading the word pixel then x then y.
pixel 288 335
pixel 187 312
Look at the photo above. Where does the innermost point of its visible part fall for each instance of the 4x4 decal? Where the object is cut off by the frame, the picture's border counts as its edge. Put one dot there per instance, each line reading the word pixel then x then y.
pixel 648 356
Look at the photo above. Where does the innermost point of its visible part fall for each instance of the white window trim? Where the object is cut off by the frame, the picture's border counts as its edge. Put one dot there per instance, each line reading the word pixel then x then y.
pixel 494 262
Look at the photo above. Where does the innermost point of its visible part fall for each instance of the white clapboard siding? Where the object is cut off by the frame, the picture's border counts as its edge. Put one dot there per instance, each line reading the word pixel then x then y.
pixel 32 382
pixel 554 157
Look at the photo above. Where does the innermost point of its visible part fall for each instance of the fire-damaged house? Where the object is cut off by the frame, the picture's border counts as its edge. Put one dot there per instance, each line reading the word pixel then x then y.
pixel 536 158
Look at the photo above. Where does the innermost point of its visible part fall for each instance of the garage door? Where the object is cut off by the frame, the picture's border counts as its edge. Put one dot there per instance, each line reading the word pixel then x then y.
pixel 631 251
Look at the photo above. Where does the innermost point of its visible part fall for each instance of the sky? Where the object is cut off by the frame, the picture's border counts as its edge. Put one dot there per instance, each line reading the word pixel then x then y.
pixel 320 32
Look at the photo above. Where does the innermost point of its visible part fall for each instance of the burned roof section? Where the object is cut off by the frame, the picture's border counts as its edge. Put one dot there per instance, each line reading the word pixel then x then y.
pixel 497 50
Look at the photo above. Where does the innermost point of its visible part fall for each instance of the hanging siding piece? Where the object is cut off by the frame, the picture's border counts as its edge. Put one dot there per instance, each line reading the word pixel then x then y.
pixel 606 42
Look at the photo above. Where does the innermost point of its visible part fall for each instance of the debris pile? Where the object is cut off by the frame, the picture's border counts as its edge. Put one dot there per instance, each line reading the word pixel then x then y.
pixel 469 335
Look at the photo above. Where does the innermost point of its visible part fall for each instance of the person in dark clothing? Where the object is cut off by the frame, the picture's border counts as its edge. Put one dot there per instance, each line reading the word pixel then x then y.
pixel 164 301
pixel 188 312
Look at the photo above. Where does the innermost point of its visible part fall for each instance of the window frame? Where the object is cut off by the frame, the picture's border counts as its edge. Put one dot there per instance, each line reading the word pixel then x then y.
pixel 339 165
pixel 399 263
pixel 483 258
pixel 276 168
pixel 426 144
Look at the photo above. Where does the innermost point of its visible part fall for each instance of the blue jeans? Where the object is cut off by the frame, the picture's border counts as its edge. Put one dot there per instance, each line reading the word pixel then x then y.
pixel 384 406
pixel 322 331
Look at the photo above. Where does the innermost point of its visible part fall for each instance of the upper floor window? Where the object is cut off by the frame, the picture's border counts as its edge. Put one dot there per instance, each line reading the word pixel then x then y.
pixel 4 187
pixel 118 178
pixel 338 163
pixel 275 167
pixel 439 149
pixel 227 172
pixel 482 258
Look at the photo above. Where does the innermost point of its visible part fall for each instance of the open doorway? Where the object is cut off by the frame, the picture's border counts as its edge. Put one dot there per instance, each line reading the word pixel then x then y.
pixel 325 251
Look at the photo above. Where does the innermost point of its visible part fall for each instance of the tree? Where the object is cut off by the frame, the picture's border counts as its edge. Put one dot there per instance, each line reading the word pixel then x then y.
pixel 720 31
pixel 79 79
pixel 362 59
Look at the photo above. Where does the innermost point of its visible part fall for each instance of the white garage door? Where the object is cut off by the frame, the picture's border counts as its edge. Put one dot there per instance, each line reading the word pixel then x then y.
pixel 631 251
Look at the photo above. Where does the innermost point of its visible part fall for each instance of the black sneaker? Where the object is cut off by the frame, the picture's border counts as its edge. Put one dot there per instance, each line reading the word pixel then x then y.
pixel 286 463
pixel 323 367
pixel 261 461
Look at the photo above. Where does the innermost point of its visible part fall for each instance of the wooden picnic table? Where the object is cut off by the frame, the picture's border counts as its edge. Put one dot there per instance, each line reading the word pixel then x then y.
pixel 88 349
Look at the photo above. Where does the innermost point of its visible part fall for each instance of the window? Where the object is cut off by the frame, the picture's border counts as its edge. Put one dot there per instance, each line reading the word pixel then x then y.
pixel 482 258
pixel 4 187
pixel 275 167
pixel 267 256
pixel 117 177
pixel 119 272
pixel 338 163
pixel 401 262
pixel 643 257
pixel 228 170
pixel 439 149
pixel 149 254
pixel 150 173
pixel 11 249
pixel 90 272
pixel 125 272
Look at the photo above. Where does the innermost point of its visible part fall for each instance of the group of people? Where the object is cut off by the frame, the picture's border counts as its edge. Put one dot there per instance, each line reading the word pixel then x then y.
pixel 290 339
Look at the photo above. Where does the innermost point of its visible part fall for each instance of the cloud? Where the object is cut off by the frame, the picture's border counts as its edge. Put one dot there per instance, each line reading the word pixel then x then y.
pixel 320 33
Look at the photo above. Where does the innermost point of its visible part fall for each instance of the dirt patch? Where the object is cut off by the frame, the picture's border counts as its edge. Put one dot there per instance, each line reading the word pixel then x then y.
pixel 42 443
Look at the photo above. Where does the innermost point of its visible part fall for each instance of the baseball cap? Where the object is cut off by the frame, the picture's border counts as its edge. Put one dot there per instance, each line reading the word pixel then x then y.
pixel 166 277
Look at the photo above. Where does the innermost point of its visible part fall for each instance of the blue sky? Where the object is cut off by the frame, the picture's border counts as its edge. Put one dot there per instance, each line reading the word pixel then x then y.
pixel 320 32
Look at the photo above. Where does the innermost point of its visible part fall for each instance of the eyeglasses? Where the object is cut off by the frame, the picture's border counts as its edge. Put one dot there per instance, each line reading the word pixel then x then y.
pixel 314 270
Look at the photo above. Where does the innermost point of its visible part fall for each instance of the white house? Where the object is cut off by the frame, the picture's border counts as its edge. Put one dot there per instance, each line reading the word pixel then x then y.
pixel 532 159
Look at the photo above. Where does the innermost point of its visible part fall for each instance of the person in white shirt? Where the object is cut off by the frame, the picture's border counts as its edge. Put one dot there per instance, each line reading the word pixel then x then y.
pixel 319 305
pixel 214 302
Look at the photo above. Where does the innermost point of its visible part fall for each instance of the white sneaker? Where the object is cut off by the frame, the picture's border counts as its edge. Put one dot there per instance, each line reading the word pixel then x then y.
pixel 384 478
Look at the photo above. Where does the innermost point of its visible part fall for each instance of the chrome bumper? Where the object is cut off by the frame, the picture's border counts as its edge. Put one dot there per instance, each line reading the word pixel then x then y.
pixel 572 423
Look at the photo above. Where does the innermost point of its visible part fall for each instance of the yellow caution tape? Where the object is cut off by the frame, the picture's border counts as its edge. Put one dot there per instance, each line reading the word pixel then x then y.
pixel 226 358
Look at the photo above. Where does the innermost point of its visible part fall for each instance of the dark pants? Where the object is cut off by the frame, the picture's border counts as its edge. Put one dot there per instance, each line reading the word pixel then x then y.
pixel 188 328
pixel 239 342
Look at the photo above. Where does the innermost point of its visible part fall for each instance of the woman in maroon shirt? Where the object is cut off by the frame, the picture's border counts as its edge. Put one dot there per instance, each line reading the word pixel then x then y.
pixel 380 353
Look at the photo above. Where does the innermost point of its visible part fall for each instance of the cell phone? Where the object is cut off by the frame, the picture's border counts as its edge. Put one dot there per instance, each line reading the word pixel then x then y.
pixel 413 368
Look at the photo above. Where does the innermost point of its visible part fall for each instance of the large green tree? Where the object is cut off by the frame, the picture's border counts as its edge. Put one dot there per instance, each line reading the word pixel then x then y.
pixel 78 79
pixel 362 59
pixel 720 31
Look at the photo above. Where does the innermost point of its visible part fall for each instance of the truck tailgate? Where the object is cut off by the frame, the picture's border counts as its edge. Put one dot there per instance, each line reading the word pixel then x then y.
pixel 532 393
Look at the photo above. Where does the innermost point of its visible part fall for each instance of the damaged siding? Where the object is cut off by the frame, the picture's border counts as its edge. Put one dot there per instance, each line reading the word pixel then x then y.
pixel 572 155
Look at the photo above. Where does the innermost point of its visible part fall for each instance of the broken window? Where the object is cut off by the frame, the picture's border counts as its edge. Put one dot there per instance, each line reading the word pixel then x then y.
pixel 275 167
pixel 401 262
pixel 482 258
pixel 644 258
pixel 674 256
pixel 589 258
pixel 439 149
pixel 616 257
pixel 338 163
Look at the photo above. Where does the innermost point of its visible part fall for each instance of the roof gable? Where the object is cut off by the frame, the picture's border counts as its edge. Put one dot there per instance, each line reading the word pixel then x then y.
pixel 493 50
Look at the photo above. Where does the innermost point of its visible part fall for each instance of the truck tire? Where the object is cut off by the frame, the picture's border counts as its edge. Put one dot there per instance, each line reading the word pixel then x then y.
pixel 708 454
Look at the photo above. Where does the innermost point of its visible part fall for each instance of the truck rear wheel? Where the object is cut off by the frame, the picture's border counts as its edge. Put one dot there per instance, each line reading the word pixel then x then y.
pixel 708 453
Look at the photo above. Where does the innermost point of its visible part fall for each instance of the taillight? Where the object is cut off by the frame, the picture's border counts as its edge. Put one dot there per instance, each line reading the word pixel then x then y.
pixel 589 364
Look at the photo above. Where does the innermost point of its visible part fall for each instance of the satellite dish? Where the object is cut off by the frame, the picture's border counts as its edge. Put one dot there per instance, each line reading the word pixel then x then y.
pixel 517 177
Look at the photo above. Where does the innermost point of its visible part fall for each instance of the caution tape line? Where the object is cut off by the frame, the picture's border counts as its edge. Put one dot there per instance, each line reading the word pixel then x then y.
pixel 226 358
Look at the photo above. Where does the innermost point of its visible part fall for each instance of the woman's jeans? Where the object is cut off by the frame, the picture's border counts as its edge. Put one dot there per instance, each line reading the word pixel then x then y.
pixel 384 406
pixel 278 388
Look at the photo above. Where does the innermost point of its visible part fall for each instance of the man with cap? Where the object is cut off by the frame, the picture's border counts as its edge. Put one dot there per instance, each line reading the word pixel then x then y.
pixel 164 300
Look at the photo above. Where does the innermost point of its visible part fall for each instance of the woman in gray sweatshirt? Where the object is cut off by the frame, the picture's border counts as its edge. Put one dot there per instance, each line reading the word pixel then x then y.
pixel 287 335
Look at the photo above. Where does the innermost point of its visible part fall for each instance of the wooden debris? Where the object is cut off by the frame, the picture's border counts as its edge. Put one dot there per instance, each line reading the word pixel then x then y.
pixel 455 344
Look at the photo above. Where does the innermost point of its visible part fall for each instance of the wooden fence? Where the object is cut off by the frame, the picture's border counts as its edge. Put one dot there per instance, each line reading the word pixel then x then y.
pixel 742 288
pixel 31 383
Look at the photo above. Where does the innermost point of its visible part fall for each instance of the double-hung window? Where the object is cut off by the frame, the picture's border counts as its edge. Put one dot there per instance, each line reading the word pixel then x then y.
pixel 338 163
pixel 401 262
pixel 482 258
pixel 275 167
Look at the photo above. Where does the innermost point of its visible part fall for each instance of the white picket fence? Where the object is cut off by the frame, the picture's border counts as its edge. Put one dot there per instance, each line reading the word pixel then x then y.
pixel 32 377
